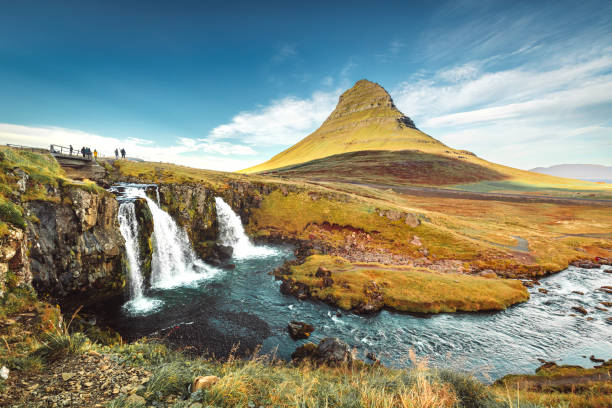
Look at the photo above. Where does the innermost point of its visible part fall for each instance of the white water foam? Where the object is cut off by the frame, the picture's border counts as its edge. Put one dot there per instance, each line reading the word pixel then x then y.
pixel 231 233
pixel 174 261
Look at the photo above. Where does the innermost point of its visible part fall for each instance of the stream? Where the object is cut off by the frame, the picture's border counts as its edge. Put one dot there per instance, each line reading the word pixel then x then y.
pixel 212 309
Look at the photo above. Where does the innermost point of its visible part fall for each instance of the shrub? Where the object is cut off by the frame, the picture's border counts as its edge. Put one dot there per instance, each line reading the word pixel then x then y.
pixel 10 213
pixel 57 345
pixel 470 392
pixel 170 378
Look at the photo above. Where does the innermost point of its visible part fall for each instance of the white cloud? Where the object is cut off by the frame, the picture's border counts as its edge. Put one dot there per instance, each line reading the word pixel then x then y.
pixel 197 153
pixel 285 52
pixel 281 123
pixel 395 47
pixel 525 117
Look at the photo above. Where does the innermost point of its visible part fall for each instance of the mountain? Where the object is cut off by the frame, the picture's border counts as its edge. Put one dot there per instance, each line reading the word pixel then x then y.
pixel 588 172
pixel 367 140
pixel 364 119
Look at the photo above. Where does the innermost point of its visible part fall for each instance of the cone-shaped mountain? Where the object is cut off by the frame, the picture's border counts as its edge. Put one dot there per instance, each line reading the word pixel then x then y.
pixel 365 118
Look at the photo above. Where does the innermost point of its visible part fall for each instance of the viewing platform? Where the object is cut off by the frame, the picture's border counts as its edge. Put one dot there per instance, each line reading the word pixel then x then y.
pixel 67 158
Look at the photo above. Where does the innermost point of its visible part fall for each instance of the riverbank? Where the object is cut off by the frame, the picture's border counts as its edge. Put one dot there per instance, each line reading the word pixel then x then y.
pixel 50 365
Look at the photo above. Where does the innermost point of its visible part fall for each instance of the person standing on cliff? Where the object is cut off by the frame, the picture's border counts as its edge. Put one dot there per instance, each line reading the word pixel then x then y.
pixel 122 153
pixel 95 154
pixel 71 149
pixel 116 153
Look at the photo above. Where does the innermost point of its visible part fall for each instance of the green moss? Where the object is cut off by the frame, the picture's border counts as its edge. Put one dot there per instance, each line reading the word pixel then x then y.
pixel 11 213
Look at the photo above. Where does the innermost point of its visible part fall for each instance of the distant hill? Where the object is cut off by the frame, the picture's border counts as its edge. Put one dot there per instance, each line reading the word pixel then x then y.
pixel 588 172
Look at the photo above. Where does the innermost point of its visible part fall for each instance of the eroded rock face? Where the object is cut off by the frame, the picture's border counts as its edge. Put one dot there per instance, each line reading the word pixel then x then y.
pixel 13 259
pixel 75 244
pixel 145 232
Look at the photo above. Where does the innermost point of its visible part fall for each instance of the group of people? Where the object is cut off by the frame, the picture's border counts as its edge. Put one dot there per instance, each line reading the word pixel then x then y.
pixel 122 153
pixel 86 152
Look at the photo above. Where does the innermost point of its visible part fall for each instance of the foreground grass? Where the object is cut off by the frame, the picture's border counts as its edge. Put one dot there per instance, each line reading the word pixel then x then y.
pixel 405 289
pixel 45 340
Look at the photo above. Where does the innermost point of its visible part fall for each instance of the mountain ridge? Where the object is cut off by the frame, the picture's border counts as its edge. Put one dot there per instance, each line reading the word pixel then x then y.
pixel 588 172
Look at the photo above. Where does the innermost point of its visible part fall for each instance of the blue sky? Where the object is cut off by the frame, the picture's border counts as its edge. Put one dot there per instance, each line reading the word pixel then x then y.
pixel 520 83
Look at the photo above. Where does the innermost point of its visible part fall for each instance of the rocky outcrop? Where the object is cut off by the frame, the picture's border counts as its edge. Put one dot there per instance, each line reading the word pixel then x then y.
pixel 330 351
pixel 145 233
pixel 299 330
pixel 14 265
pixel 192 206
pixel 75 243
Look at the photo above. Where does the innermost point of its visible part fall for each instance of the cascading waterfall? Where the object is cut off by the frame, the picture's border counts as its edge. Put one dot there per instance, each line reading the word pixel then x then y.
pixel 231 233
pixel 128 226
pixel 174 262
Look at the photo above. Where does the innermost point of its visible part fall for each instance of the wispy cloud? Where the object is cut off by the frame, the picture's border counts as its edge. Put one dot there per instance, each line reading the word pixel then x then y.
pixel 281 123
pixel 285 52
pixel 198 153
pixel 514 115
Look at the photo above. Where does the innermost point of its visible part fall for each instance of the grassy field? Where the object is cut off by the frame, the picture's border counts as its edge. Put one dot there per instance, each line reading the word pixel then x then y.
pixel 404 288
pixel 480 233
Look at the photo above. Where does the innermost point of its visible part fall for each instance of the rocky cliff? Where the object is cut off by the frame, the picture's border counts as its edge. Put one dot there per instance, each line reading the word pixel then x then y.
pixel 192 206
pixel 61 237
pixel 75 244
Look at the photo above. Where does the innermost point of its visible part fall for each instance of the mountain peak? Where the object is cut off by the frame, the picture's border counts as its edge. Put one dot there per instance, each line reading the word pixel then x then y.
pixel 368 96
pixel 364 119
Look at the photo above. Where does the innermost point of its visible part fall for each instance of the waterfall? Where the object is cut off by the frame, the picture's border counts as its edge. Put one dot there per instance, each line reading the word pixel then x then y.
pixel 174 261
pixel 128 226
pixel 231 233
pixel 129 229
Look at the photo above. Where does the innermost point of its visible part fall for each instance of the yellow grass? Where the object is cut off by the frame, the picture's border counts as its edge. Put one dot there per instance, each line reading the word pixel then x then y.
pixel 407 289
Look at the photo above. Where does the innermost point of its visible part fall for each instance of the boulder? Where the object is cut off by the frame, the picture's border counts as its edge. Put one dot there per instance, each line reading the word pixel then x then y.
pixel 416 241
pixel 306 351
pixel 373 299
pixel 299 330
pixel 586 264
pixel 371 356
pixel 580 309
pixel 223 252
pixel 542 290
pixel 203 382
pixel 488 273
pixel 332 350
pixel 607 289
pixel 412 220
